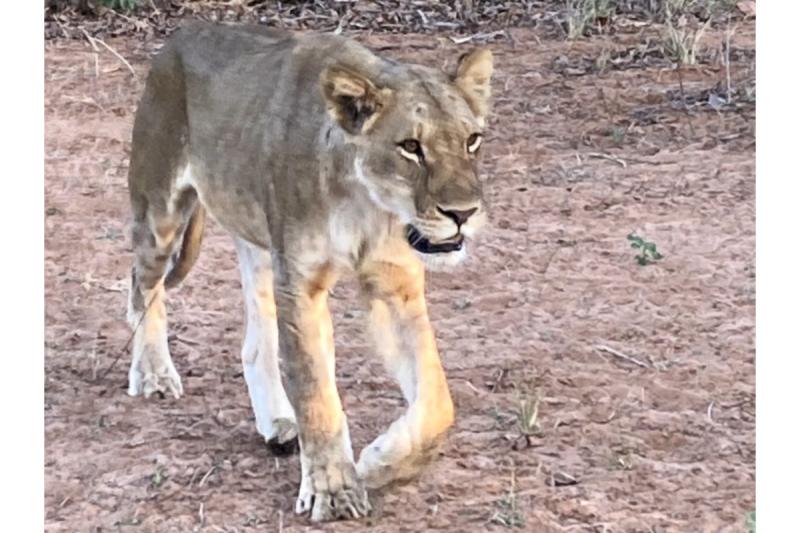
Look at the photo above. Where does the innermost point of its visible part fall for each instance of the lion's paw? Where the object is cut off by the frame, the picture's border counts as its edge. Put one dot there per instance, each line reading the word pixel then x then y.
pixel 333 493
pixel 282 440
pixel 153 372
pixel 395 456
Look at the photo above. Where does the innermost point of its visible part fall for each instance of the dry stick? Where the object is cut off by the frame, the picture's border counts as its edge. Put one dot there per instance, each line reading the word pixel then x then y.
pixel 621 355
pixel 728 35
pixel 96 53
pixel 208 474
pixel 61 27
pixel 124 61
pixel 598 155
pixel 130 338
pixel 468 38
pixel 683 100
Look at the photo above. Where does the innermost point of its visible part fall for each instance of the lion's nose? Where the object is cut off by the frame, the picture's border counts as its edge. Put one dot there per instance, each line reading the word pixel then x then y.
pixel 459 216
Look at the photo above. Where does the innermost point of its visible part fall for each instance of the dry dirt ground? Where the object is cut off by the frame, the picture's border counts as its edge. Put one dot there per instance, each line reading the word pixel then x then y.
pixel 589 141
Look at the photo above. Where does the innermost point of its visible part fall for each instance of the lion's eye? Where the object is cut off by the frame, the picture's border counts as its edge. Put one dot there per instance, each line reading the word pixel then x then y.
pixel 411 149
pixel 474 142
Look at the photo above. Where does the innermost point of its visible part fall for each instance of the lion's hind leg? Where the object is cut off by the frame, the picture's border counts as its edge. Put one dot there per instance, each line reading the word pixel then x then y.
pixel 157 235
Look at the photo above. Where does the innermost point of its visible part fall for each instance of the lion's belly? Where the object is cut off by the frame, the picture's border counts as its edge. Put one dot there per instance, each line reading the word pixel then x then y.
pixel 235 207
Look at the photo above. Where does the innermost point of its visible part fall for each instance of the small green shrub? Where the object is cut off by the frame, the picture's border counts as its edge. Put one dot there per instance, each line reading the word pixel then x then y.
pixel 120 5
pixel 582 14
pixel 648 253
pixel 751 522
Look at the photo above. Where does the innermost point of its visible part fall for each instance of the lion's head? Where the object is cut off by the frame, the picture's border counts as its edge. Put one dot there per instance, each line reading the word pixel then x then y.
pixel 417 134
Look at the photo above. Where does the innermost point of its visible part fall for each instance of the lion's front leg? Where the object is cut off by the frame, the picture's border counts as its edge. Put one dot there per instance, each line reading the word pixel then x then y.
pixel 329 488
pixel 404 337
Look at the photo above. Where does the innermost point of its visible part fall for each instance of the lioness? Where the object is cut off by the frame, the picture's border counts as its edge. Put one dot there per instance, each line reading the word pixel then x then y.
pixel 320 158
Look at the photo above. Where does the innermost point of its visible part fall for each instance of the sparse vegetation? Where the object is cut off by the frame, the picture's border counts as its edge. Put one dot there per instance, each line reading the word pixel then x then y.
pixel 622 461
pixel 751 522
pixel 681 36
pixel 508 513
pixel 527 414
pixel 617 134
pixel 583 14
pixel 648 252
pixel 158 478
pixel 120 5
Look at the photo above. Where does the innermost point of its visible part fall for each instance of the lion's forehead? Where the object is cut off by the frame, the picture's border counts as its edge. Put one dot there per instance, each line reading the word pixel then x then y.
pixel 436 105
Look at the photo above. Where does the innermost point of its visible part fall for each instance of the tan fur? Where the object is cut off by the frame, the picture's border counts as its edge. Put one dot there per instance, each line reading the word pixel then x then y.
pixel 319 157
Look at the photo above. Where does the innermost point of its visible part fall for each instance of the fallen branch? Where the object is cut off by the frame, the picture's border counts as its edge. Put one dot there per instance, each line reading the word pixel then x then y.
pixel 683 100
pixel 94 40
pixel 477 36
pixel 598 155
pixel 625 357
pixel 96 53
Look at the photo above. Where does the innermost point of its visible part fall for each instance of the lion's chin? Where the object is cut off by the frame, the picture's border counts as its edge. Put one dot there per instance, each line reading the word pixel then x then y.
pixel 443 262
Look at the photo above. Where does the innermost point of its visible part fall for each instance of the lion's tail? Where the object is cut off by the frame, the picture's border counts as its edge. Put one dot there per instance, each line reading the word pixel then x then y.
pixel 190 248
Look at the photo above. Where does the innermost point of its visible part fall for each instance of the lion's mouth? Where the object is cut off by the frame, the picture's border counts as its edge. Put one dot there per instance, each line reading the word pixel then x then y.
pixel 424 246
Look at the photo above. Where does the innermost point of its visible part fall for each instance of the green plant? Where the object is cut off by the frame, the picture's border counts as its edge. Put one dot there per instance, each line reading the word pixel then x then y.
pixel 648 253
pixel 751 521
pixel 158 478
pixel 681 39
pixel 622 461
pixel 120 5
pixel 581 14
pixel 617 134
pixel 702 8
pixel 508 513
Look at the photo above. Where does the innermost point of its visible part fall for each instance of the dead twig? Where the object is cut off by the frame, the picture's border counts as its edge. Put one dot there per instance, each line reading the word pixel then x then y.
pixel 94 41
pixel 86 101
pixel 118 56
pixel 683 101
pixel 477 36
pixel 625 357
pixel 96 53
pixel 130 338
pixel 728 34
pixel 205 477
pixel 617 160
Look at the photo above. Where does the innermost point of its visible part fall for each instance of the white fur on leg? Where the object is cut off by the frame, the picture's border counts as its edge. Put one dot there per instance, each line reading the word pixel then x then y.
pixel 274 414
pixel 275 418
pixel 305 496
pixel 152 369
pixel 399 453
pixel 390 345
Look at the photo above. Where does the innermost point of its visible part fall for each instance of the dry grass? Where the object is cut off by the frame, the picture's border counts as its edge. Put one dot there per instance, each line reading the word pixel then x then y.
pixel 508 513
pixel 681 38
pixel 582 14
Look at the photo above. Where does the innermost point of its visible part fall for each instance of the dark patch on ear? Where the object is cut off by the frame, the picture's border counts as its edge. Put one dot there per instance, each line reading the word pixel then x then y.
pixel 352 98
pixel 356 112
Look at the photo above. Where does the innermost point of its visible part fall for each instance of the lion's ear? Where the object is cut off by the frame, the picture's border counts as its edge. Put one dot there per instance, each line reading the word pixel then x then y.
pixel 352 99
pixel 473 76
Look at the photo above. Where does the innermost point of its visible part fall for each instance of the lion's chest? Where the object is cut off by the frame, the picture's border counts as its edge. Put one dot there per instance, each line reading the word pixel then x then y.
pixel 354 229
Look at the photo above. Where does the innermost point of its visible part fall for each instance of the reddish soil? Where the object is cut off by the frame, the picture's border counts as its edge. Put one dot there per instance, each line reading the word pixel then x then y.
pixel 577 158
